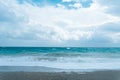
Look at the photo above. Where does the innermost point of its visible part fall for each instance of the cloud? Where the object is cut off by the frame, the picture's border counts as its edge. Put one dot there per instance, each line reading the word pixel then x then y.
pixel 66 0
pixel 110 27
pixel 112 6
pixel 57 25
pixel 76 5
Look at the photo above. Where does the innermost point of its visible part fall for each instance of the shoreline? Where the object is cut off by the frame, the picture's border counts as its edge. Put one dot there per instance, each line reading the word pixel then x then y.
pixel 45 73
pixel 46 69
pixel 96 75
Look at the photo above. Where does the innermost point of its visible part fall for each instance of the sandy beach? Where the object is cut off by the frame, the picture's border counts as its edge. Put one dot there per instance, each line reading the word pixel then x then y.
pixel 46 73
pixel 97 75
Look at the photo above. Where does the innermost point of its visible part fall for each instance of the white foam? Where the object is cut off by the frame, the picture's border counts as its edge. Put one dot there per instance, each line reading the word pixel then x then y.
pixel 62 62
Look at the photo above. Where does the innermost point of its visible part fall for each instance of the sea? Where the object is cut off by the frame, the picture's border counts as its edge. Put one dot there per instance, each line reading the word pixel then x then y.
pixel 74 58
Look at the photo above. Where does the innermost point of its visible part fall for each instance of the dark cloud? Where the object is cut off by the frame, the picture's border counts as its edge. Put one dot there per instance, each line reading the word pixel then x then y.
pixel 110 27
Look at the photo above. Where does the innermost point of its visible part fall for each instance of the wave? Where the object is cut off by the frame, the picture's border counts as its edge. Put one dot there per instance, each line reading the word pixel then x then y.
pixel 63 58
pixel 36 50
pixel 61 62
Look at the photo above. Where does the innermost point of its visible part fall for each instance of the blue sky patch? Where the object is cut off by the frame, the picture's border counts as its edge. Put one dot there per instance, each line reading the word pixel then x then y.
pixel 42 3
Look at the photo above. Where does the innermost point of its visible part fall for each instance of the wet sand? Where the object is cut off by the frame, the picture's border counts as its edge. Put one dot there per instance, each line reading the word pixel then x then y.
pixel 97 75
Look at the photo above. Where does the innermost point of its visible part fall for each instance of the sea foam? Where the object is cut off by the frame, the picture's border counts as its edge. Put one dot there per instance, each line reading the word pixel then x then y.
pixel 62 58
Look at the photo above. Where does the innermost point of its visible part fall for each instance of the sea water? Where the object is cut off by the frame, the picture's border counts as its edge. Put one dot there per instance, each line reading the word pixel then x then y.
pixel 61 57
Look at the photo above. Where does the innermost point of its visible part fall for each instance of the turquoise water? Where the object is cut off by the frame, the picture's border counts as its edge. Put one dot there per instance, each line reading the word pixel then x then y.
pixel 61 57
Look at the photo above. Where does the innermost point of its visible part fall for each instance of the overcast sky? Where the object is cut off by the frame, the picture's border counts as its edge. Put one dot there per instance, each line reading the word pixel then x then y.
pixel 80 23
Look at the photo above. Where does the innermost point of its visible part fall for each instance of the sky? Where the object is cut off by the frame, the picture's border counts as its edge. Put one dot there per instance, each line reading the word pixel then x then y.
pixel 60 23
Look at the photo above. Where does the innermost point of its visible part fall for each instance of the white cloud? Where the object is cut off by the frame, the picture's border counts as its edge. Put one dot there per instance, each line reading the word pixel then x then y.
pixel 75 5
pixel 113 6
pixel 66 0
pixel 25 21
pixel 72 0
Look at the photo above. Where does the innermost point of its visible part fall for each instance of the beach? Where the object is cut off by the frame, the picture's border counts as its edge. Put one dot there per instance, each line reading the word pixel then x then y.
pixel 45 73
pixel 97 75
